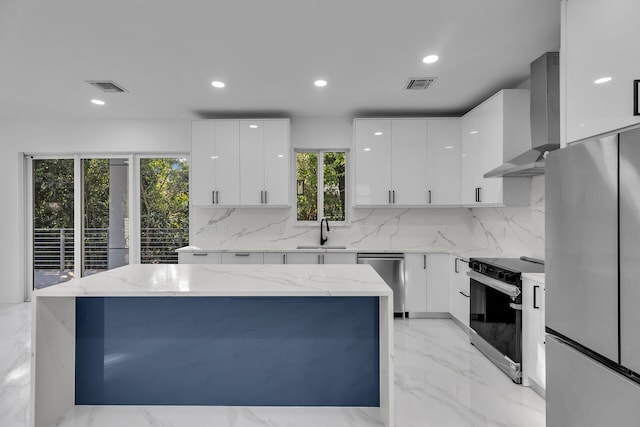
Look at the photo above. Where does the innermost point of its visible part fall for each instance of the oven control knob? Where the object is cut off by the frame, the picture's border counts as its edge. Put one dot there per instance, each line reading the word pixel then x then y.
pixel 509 278
pixel 500 275
pixel 475 266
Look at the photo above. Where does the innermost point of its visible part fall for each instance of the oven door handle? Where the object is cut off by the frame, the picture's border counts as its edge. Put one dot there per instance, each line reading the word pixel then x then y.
pixel 511 290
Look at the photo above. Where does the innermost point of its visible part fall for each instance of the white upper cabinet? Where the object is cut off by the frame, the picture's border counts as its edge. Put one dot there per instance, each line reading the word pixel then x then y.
pixel 215 163
pixel 276 162
pixel 407 162
pixel 252 162
pixel 600 40
pixel 443 162
pixel 373 162
pixel 492 133
pixel 240 163
pixel 264 162
pixel 470 153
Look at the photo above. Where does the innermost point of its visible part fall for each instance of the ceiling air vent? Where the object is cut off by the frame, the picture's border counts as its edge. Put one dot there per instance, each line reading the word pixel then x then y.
pixel 419 83
pixel 107 86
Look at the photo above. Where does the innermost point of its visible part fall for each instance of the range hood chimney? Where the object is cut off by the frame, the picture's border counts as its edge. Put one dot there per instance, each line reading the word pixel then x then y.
pixel 545 120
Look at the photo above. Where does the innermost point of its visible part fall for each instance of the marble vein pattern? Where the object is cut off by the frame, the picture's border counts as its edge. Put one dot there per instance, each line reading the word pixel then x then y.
pixel 227 280
pixel 510 231
pixel 486 231
pixel 440 380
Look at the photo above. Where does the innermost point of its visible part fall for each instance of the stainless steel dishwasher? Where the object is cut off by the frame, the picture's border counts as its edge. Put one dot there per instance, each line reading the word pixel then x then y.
pixel 391 268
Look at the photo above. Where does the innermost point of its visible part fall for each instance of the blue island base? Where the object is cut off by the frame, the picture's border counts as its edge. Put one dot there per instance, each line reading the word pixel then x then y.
pixel 227 351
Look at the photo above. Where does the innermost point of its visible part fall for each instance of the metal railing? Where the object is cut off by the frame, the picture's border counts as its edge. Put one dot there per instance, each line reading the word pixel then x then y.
pixel 53 248
pixel 158 245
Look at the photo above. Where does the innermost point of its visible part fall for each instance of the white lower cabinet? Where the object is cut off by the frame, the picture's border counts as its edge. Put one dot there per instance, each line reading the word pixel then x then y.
pixel 339 258
pixel 426 283
pixel 459 295
pixel 304 258
pixel 199 258
pixel 275 258
pixel 533 335
pixel 415 277
pixel 242 258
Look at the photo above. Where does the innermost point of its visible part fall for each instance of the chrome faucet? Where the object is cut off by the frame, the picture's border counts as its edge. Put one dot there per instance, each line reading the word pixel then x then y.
pixel 324 236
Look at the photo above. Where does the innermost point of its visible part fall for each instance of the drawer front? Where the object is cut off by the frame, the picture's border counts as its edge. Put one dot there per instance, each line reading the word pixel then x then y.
pixel 242 258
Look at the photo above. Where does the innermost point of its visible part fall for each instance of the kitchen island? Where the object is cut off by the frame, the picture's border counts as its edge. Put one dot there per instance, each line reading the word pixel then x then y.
pixel 214 335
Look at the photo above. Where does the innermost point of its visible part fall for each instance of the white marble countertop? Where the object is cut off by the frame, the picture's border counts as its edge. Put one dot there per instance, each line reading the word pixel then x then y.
pixel 196 249
pixel 226 280
pixel 536 277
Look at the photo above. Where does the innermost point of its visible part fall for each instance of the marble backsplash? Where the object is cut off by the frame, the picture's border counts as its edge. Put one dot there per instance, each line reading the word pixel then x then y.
pixel 509 231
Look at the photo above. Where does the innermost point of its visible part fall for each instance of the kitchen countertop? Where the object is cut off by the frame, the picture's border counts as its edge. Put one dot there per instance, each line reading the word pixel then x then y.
pixel 197 249
pixel 536 277
pixel 226 280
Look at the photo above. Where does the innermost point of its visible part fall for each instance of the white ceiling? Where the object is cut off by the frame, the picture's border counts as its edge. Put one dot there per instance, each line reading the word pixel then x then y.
pixel 269 52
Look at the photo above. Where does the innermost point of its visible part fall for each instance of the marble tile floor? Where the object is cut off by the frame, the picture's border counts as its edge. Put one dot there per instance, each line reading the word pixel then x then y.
pixel 441 381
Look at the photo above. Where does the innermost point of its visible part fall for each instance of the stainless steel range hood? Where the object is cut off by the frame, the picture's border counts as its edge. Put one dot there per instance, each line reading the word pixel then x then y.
pixel 545 120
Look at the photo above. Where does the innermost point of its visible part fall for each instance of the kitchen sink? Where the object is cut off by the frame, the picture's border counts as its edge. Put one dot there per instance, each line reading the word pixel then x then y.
pixel 320 247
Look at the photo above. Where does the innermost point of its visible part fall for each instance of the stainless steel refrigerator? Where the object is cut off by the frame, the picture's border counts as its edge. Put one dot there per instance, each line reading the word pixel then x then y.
pixel 593 283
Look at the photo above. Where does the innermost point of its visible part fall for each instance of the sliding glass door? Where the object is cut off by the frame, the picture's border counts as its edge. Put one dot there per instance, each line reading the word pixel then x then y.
pixel 53 221
pixel 105 214
pixel 88 214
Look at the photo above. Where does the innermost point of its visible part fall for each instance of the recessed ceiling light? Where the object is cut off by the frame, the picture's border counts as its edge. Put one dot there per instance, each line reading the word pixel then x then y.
pixel 97 101
pixel 430 59
pixel 253 126
pixel 367 149
pixel 214 157
pixel 602 80
pixel 218 84
pixel 320 83
pixel 281 155
pixel 377 133
pixel 473 132
pixel 448 147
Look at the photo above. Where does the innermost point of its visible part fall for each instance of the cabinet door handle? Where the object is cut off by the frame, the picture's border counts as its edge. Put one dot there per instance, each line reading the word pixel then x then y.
pixel 284 258
pixel 243 254
pixel 424 262
pixel 266 201
pixel 429 196
pixel 200 254
pixel 456 264
pixel 319 261
pixel 535 296
pixel 476 194
pixel 213 197
pixel 261 196
pixel 389 196
pixel 394 195
pixel 464 295
pixel 479 198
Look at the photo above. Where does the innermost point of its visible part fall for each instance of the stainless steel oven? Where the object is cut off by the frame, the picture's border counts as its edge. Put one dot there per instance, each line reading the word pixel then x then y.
pixel 496 310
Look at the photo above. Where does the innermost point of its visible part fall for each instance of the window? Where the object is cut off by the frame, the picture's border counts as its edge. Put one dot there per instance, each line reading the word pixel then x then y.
pixel 321 185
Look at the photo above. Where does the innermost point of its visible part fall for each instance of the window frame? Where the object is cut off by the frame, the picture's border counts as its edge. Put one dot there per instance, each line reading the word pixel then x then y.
pixel 320 193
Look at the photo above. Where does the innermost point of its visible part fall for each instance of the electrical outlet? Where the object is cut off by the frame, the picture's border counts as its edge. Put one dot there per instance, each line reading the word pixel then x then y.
pixel 223 228
pixel 211 228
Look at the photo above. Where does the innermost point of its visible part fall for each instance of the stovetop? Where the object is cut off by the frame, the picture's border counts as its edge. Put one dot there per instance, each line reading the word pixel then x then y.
pixel 514 265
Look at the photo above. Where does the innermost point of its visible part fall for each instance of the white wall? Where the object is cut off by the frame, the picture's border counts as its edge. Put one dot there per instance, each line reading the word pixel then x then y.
pixel 16 137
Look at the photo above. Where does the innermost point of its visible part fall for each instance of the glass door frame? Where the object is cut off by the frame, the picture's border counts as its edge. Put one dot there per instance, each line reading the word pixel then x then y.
pixel 133 205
